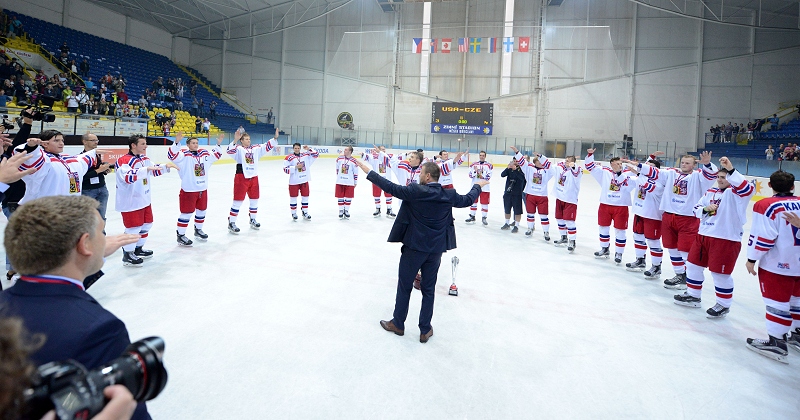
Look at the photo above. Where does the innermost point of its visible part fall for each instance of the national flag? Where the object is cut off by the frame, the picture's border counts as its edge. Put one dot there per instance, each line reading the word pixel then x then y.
pixel 492 45
pixel 446 45
pixel 475 45
pixel 508 44
pixel 417 48
pixel 462 44
pixel 524 43
pixel 433 45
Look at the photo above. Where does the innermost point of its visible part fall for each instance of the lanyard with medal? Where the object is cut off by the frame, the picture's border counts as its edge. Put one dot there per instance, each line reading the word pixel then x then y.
pixel 73 176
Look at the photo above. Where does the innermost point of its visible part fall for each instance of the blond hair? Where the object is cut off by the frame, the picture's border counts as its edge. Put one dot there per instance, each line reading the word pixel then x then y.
pixel 41 234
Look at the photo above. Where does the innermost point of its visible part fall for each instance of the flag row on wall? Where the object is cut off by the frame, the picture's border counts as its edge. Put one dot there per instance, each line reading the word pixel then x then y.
pixel 472 45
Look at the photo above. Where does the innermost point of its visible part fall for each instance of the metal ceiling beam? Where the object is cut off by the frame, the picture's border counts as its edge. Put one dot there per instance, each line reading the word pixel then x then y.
pixel 253 11
pixel 721 21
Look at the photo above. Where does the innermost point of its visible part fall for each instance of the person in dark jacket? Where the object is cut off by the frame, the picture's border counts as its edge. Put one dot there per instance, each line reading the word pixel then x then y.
pixel 424 225
pixel 512 194
pixel 94 182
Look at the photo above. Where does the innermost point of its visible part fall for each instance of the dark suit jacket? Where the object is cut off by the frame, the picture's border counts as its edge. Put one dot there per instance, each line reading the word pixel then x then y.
pixel 425 220
pixel 75 325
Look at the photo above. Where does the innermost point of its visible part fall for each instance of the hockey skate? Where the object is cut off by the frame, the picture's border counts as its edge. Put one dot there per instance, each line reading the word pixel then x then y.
pixel 306 216
pixel 603 253
pixel 254 225
pixel 774 348
pixel 547 237
pixel 686 300
pixel 347 215
pixel 199 234
pixel 391 214
pixel 678 282
pixel 341 215
pixel 561 242
pixel 184 241
pixel 638 265
pixel 377 213
pixel 232 228
pixel 506 226
pixel 571 246
pixel 129 259
pixel 617 258
pixel 294 217
pixel 794 339
pixel 717 312
pixel 528 232
pixel 143 253
pixel 653 273
pixel 470 219
pixel 483 220
pixel 515 229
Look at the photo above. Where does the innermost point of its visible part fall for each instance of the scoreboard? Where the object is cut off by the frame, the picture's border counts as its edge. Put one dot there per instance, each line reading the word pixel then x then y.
pixel 462 118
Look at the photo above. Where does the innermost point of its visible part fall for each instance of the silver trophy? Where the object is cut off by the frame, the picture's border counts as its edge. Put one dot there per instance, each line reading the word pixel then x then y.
pixel 453 288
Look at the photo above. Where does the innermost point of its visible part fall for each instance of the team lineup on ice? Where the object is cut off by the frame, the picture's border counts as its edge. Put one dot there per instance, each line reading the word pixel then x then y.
pixel 521 290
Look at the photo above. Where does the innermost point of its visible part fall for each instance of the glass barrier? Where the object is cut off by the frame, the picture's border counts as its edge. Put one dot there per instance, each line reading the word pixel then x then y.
pixel 762 167
pixel 792 167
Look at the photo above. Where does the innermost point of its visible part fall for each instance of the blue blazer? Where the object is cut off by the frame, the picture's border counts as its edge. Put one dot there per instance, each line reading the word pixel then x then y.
pixel 425 220
pixel 74 324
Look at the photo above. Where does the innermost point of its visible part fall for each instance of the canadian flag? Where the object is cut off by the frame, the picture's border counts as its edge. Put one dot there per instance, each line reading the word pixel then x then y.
pixel 524 43
pixel 446 45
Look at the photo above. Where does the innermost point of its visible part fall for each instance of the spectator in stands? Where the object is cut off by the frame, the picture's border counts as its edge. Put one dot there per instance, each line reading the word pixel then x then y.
pixel 201 107
pixel 84 68
pixel 64 48
pixel 123 97
pixel 179 104
pixel 91 107
pixel 102 106
pixel 179 91
pixel 72 102
pixel 770 152
pixel 198 124
pixel 83 100
pixel 195 105
pixel 166 128
pixel 73 66
pixel 3 98
pixel 774 121
pixel 113 103
pixel 14 26
pixel 143 102
pixel 714 130
pixel 270 116
pixel 65 94
pixel 158 83
pixel 90 85
pixel 6 70
pixel 143 113
pixel 206 125
pixel 212 109
pixel 728 130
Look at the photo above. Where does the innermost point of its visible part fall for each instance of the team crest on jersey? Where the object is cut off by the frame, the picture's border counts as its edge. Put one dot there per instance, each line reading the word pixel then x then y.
pixel 642 193
pixel 248 158
pixel 614 185
pixel 381 168
pixel 562 180
pixel 717 201
pixel 479 174
pixel 537 178
pixel 345 169
pixel 200 169
pixel 681 187
pixel 144 181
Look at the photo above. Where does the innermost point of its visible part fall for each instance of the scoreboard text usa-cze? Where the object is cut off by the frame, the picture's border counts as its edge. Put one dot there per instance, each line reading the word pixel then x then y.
pixel 462 118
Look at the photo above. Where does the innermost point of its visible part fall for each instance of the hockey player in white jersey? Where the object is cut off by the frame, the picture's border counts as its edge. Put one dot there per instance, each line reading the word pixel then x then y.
pixel 297 166
pixel 722 212
pixel 407 171
pixel 568 186
pixel 381 163
pixel 616 186
pixel 193 165
pixel 774 244
pixel 245 182
pixel 647 219
pixel 135 172
pixel 448 165
pixel 481 171
pixel 346 180
pixel 683 188
pixel 538 173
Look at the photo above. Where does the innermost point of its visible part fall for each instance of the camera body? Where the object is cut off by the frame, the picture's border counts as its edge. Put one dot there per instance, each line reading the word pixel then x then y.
pixel 76 393
pixel 41 111
pixel 7 125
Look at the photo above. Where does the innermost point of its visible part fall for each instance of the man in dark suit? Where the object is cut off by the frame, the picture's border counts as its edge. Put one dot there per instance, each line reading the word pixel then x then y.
pixel 424 225
pixel 55 242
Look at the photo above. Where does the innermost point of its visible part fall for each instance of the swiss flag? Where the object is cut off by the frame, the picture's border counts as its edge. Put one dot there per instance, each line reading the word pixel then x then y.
pixel 446 45
pixel 524 43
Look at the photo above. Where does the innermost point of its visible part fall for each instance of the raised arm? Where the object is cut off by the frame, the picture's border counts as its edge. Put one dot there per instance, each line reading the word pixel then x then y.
pixel 595 169
pixel 174 153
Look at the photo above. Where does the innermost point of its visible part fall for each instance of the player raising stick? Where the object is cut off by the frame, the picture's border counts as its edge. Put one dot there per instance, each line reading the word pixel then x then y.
pixel 245 182
pixel 193 165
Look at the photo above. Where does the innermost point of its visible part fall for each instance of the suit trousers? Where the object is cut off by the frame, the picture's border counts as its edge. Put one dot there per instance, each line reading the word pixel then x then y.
pixel 411 262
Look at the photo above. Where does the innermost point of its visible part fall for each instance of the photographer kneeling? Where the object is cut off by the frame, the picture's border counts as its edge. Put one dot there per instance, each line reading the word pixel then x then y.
pixel 55 242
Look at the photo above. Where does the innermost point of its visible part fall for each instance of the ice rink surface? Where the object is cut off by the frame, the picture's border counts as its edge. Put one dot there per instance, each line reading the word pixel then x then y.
pixel 282 323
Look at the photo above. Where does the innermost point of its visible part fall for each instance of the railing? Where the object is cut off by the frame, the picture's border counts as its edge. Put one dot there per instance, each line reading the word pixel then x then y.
pixel 557 148
pixel 78 124
pixel 765 168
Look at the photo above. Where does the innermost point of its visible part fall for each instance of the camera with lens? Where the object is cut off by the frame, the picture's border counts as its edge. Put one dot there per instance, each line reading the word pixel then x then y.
pixel 75 393
pixel 7 125
pixel 41 111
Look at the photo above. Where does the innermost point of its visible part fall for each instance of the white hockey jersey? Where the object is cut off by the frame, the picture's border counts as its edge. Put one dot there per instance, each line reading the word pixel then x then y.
pixel 774 242
pixel 446 168
pixel 536 178
pixel 615 188
pixel 406 174
pixel 301 175
pixel 731 214
pixel 133 181
pixel 647 197
pixel 682 191
pixel 381 163
pixel 481 171
pixel 247 157
pixel 568 184
pixel 56 174
pixel 346 171
pixel 193 166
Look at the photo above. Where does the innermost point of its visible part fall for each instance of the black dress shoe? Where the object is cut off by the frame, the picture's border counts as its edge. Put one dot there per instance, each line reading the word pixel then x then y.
pixel 389 326
pixel 423 338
